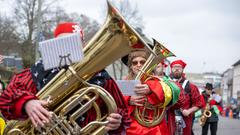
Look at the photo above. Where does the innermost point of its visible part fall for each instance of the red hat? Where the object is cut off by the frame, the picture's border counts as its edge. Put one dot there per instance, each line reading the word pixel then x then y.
pixel 68 27
pixel 163 63
pixel 180 62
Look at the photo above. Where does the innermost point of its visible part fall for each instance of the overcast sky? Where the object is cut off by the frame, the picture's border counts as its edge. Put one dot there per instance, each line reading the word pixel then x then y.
pixel 204 33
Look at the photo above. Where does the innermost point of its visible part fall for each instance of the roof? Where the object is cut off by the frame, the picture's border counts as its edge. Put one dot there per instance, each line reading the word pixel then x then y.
pixel 237 63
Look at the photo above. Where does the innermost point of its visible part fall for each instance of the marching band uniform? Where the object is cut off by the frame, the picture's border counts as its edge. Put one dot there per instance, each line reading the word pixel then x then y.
pixel 157 96
pixel 191 95
pixel 160 93
pixel 215 108
pixel 178 102
pixel 24 86
pixel 171 111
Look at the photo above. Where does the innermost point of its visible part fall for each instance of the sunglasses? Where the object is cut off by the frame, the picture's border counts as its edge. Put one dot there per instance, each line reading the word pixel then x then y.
pixel 142 62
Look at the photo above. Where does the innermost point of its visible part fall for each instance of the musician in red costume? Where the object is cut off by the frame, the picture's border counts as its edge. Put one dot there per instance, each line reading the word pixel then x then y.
pixel 152 90
pixel 19 100
pixel 178 102
pixel 191 93
pixel 215 109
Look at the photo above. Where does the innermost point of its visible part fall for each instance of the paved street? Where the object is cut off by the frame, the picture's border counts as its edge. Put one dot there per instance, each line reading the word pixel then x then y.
pixel 226 126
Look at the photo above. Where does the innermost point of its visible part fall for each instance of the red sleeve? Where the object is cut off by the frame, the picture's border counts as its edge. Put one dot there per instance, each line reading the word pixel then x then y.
pixel 127 98
pixel 195 96
pixel 122 105
pixel 212 102
pixel 157 95
pixel 18 92
pixel 19 104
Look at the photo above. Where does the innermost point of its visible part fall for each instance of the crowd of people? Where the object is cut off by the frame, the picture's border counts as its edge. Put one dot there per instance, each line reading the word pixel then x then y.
pixel 173 97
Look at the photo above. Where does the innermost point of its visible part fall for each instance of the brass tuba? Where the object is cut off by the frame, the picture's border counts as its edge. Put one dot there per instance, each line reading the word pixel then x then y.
pixel 205 115
pixel 71 95
pixel 143 118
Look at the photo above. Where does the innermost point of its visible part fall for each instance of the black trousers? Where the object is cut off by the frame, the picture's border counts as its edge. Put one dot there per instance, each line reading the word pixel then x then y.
pixel 213 128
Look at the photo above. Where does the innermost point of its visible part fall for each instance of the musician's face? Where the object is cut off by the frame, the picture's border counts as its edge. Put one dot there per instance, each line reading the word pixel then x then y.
pixel 177 71
pixel 159 69
pixel 208 91
pixel 137 64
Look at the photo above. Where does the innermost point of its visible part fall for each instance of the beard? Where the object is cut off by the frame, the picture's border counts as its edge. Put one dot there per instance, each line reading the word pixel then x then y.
pixel 177 75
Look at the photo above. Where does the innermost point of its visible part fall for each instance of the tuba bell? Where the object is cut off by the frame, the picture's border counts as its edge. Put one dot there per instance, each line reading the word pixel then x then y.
pixel 71 100
pixel 142 117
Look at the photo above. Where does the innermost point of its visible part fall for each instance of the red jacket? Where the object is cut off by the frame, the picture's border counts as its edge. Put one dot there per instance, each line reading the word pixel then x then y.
pixel 156 97
pixel 22 89
pixel 191 99
pixel 170 112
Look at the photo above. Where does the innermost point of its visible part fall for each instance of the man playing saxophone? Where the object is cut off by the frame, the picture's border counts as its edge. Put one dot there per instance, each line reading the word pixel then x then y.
pixel 210 111
pixel 19 100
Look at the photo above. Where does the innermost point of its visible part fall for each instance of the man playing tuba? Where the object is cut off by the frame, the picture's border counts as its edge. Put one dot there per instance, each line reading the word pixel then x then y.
pixel 19 100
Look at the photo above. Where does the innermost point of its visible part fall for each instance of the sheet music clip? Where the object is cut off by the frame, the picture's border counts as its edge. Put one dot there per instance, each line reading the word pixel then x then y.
pixel 67 65
pixel 64 58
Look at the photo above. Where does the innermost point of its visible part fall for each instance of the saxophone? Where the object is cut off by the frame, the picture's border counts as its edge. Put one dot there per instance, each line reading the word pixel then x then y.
pixel 205 115
pixel 71 100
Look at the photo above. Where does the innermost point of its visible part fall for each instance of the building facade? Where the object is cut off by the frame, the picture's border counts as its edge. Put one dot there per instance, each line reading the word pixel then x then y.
pixel 236 80
pixel 201 79
pixel 227 86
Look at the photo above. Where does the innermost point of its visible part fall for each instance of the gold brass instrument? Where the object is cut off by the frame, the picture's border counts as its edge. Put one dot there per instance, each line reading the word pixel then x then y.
pixel 161 53
pixel 71 95
pixel 205 115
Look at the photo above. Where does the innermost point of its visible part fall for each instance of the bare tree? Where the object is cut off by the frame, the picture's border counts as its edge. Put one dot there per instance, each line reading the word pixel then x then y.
pixel 50 20
pixel 26 16
pixel 89 25
pixel 131 13
pixel 8 36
